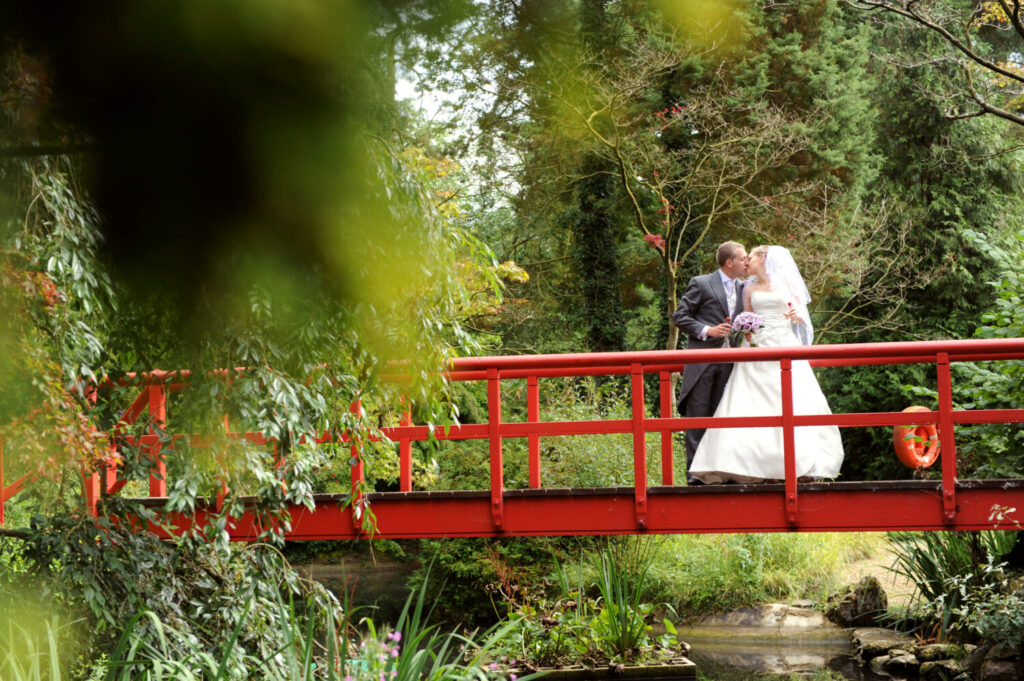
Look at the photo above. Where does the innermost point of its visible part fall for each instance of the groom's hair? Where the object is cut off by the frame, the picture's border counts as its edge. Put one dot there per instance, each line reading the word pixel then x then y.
pixel 727 251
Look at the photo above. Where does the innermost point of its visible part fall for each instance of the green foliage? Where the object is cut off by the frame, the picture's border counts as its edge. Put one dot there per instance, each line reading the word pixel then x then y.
pixel 592 620
pixel 939 563
pixel 947 182
pixel 204 594
pixel 991 607
pixel 489 574
pixel 994 450
pixel 418 651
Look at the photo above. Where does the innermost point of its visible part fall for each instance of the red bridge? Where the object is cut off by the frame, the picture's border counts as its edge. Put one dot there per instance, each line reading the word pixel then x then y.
pixel 949 503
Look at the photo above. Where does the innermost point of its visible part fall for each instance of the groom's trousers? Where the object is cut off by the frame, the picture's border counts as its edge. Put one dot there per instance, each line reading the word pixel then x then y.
pixel 702 400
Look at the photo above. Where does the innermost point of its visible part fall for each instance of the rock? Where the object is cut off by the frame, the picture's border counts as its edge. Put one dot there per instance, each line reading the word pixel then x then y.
pixel 939 651
pixel 860 605
pixel 901 663
pixel 940 670
pixel 873 642
pixel 975 658
pixel 999 670
pixel 877 665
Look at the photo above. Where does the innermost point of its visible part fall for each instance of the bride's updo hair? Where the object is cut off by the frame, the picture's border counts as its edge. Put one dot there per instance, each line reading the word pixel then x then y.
pixel 762 250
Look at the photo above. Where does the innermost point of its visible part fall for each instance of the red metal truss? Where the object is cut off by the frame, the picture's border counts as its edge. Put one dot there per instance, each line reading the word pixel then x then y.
pixel 643 507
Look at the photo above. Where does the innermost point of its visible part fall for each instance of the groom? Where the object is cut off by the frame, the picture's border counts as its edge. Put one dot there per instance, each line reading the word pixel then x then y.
pixel 702 312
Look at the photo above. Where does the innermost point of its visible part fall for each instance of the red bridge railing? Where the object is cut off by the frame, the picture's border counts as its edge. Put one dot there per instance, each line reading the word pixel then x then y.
pixel 948 503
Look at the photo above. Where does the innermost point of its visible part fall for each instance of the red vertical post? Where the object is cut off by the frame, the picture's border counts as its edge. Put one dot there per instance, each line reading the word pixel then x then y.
pixel 158 416
pixel 405 454
pixel 639 445
pixel 91 485
pixel 3 489
pixel 788 438
pixel 222 491
pixel 358 472
pixel 665 394
pixel 947 442
pixel 533 440
pixel 497 467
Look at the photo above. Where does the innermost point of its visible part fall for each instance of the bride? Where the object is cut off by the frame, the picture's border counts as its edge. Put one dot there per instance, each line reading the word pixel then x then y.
pixel 779 296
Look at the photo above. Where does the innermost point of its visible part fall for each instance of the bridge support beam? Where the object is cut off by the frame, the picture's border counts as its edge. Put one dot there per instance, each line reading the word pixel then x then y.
pixel 824 507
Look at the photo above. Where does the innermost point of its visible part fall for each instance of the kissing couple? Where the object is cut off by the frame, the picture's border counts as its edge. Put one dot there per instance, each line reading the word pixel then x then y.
pixel 776 293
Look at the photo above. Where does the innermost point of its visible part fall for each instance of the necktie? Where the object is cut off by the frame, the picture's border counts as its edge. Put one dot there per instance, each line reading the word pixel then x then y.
pixel 730 287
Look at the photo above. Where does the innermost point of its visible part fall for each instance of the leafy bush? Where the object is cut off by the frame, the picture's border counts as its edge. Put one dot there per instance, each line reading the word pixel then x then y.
pixel 939 564
pixel 991 608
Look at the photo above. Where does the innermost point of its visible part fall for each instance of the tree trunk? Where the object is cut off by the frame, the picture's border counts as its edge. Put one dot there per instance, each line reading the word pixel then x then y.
pixel 671 289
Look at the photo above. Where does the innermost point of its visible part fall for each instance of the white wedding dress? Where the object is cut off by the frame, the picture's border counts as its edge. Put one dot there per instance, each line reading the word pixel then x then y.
pixel 754 389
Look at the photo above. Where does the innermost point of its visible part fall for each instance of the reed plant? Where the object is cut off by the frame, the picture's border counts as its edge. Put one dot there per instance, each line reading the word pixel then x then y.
pixel 621 625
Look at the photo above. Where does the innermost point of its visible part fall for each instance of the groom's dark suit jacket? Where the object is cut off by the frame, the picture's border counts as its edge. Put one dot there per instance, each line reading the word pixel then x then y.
pixel 703 304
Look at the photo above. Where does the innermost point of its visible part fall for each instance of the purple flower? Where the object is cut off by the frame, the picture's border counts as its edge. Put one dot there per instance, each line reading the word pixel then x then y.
pixel 394 652
pixel 395 636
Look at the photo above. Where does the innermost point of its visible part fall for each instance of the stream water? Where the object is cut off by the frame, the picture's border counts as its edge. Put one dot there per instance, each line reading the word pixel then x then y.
pixel 772 640
pixel 719 660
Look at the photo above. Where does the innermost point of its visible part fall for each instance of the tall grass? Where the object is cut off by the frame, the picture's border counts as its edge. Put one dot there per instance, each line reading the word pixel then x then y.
pixel 705 574
pixel 32 651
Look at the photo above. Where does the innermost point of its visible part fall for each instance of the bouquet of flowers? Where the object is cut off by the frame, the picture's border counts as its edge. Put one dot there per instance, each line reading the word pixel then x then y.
pixel 745 324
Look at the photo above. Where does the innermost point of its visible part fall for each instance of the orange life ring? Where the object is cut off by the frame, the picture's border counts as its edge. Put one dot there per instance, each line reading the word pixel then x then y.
pixel 916 446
